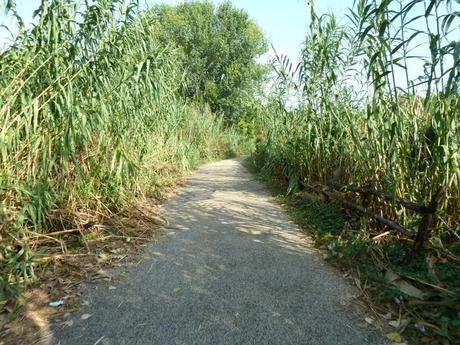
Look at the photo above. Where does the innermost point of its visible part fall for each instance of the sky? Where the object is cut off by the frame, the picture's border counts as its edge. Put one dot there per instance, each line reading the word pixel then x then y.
pixel 283 22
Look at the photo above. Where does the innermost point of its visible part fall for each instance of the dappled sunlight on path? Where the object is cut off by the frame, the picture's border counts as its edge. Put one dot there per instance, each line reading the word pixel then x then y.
pixel 232 270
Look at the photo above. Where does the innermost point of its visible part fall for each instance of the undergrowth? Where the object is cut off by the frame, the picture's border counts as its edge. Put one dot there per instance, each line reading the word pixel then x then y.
pixel 374 102
pixel 347 242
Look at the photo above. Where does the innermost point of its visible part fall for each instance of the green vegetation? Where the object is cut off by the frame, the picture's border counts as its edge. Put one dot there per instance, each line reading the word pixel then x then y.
pixel 102 103
pixel 391 138
pixel 347 242
pixel 356 119
pixel 92 116
pixel 217 46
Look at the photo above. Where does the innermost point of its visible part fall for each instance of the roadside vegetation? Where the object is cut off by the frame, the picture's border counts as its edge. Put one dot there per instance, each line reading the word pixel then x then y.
pixel 102 107
pixel 105 104
pixel 360 118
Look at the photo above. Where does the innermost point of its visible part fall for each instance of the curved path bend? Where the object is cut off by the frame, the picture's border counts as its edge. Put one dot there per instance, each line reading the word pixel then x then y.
pixel 233 270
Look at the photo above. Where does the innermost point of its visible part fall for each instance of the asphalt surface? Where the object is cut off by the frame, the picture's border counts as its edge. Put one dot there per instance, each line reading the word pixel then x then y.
pixel 233 270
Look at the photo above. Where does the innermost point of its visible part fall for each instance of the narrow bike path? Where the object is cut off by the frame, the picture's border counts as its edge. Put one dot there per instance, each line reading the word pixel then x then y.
pixel 233 270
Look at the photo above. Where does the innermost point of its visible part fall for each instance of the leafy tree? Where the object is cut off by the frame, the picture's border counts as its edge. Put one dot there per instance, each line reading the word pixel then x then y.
pixel 218 47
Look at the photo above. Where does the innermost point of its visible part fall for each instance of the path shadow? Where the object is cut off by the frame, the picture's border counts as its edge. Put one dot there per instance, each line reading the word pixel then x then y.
pixel 232 270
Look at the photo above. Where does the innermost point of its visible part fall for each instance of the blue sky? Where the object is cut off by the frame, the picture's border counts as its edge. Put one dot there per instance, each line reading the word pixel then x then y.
pixel 284 22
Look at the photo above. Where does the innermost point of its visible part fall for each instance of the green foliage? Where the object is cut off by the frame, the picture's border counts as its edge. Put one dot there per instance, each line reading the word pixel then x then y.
pixel 16 269
pixel 393 137
pixel 91 117
pixel 357 119
pixel 346 243
pixel 218 48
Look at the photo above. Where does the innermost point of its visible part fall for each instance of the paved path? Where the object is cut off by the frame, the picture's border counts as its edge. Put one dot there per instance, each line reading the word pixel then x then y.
pixel 234 270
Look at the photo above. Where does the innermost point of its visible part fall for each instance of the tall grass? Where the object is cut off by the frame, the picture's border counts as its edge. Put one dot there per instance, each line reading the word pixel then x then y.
pixel 90 118
pixel 378 106
pixel 363 113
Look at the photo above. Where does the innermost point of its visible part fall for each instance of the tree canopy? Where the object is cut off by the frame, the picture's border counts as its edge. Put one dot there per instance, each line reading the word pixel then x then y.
pixel 218 48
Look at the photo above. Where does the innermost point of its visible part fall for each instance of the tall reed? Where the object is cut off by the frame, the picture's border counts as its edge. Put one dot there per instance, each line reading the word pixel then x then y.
pixel 90 118
pixel 366 111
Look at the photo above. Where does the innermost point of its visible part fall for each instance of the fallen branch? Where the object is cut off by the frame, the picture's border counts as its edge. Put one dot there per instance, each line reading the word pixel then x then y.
pixel 56 233
pixel 369 191
pixel 389 223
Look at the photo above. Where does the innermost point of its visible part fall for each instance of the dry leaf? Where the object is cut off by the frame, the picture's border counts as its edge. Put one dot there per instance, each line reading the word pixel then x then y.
pixel 177 290
pixel 116 251
pixel 85 316
pixel 369 320
pixel 102 273
pixel 403 285
pixel 67 323
pixel 56 303
pixel 395 323
pixel 103 257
